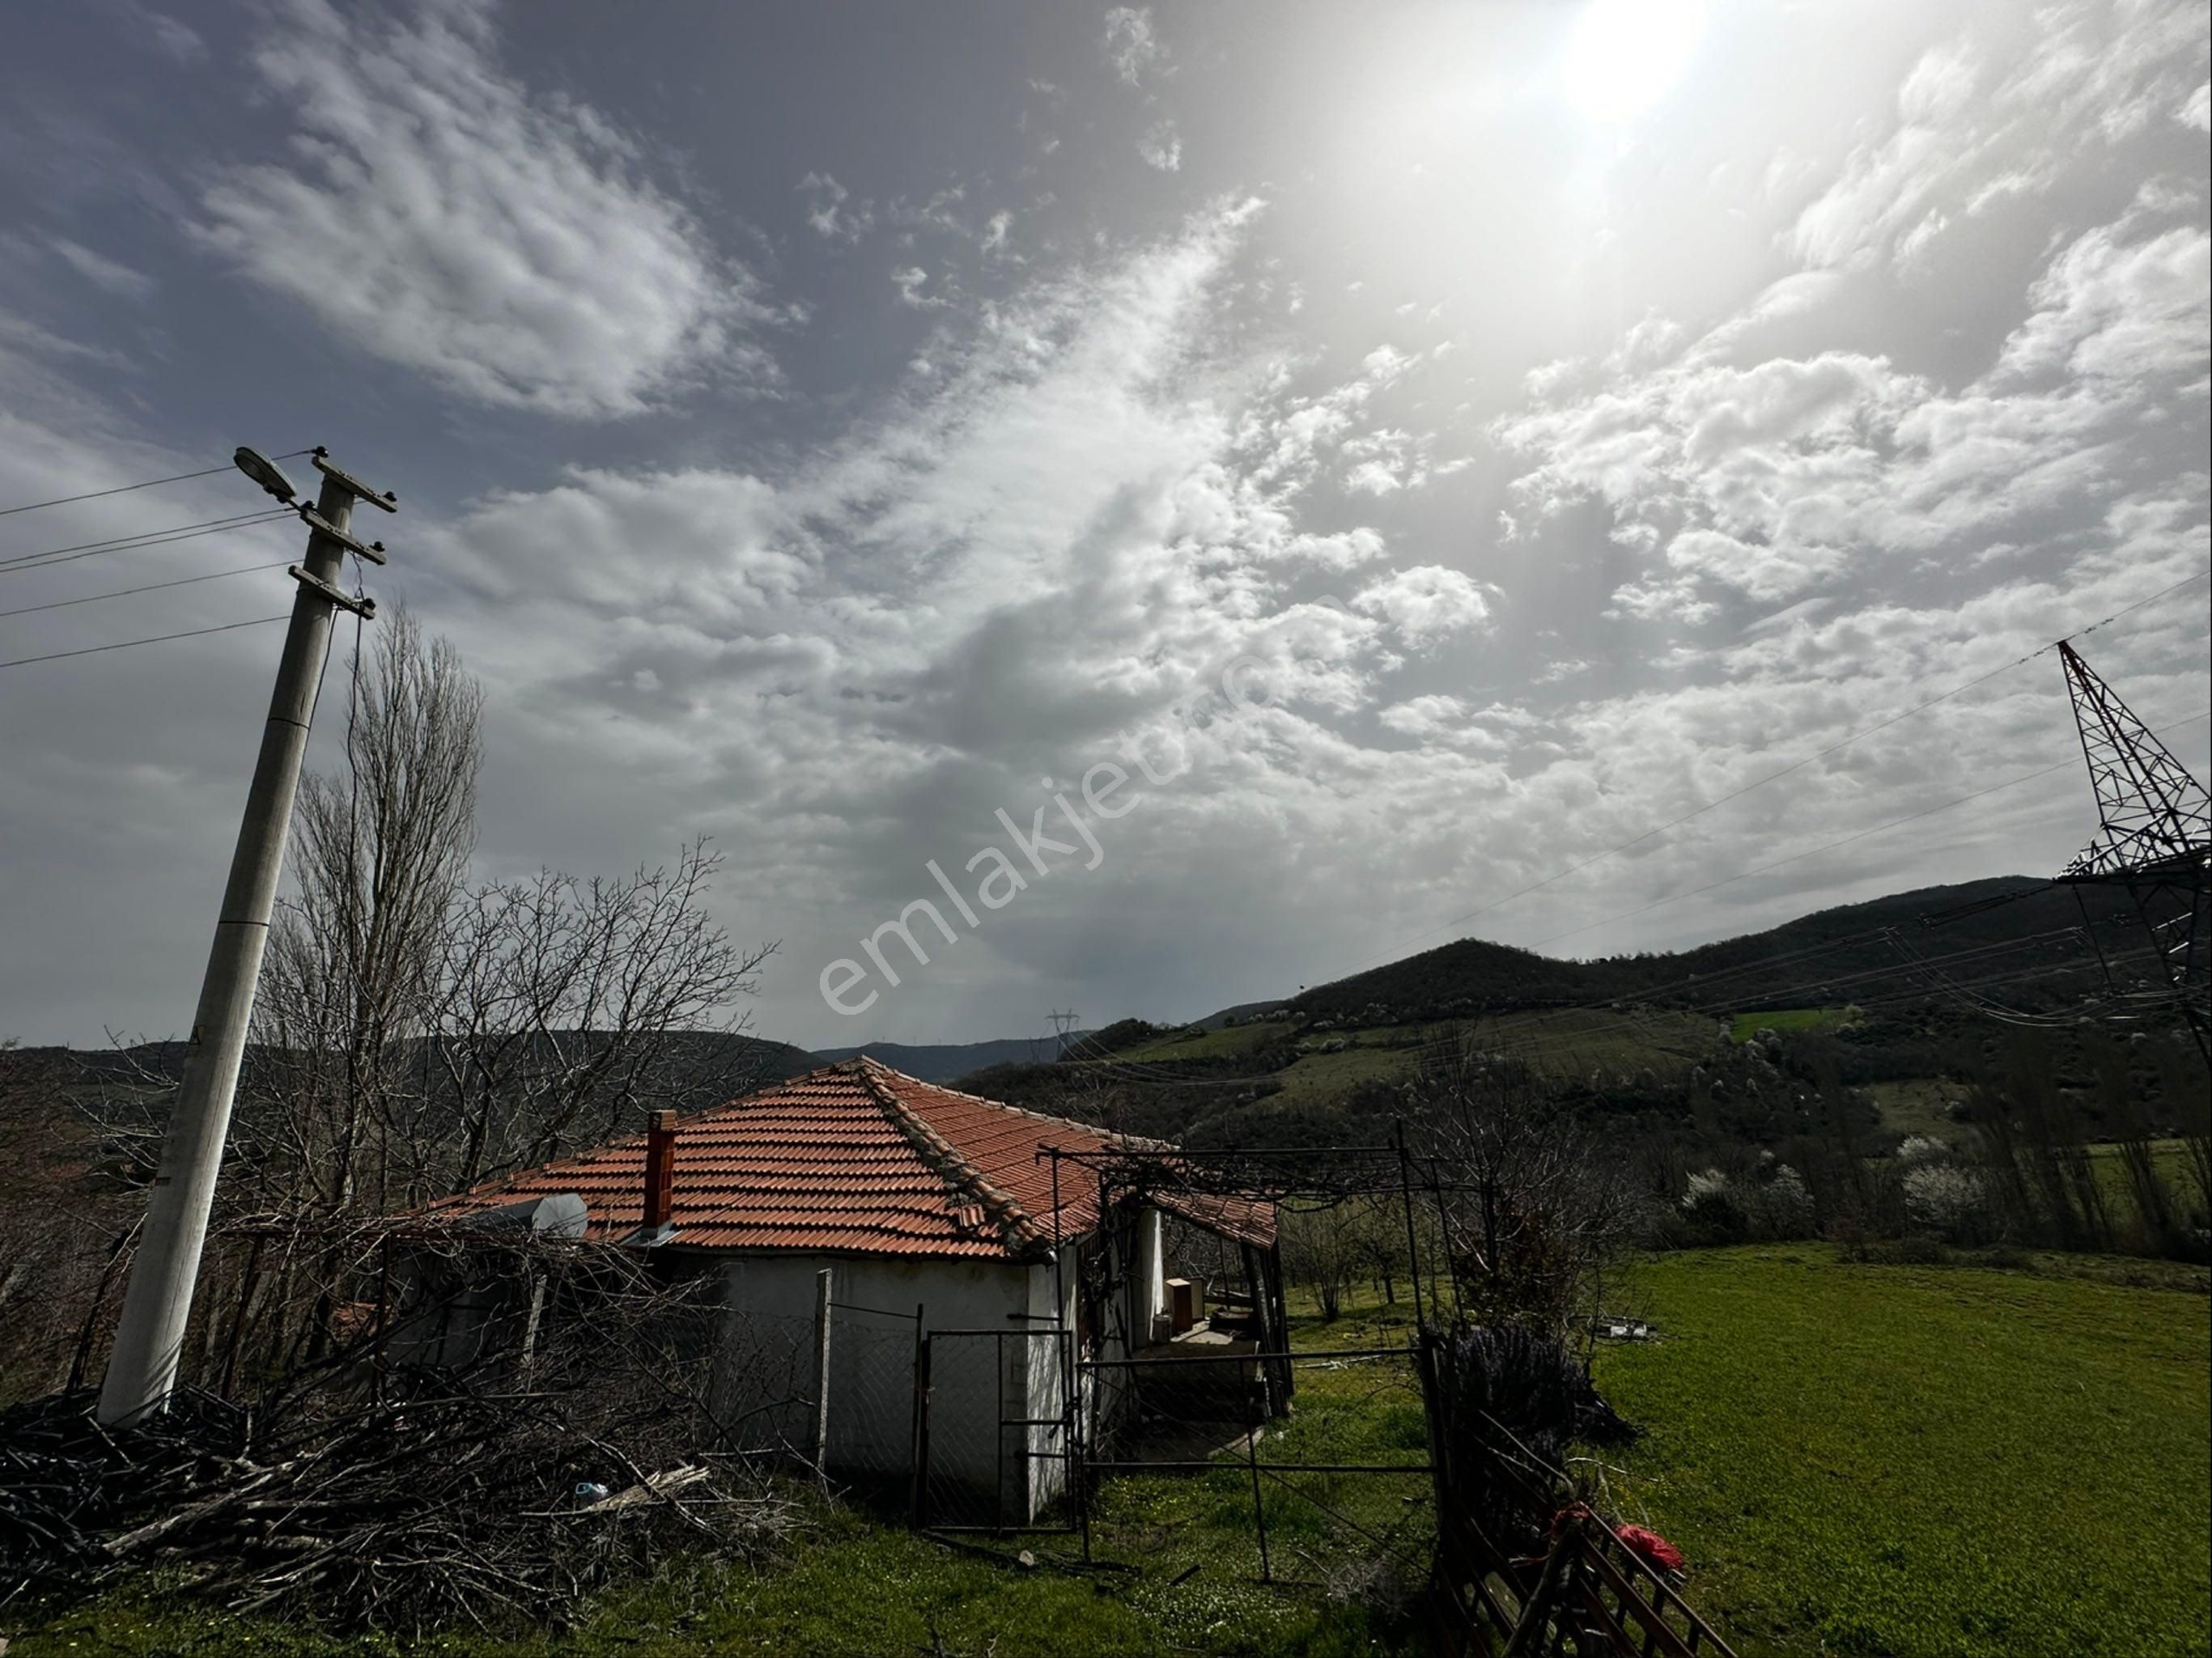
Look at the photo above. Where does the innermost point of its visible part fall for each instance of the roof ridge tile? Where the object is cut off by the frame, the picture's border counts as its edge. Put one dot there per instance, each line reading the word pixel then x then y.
pixel 1021 1232
pixel 1114 1135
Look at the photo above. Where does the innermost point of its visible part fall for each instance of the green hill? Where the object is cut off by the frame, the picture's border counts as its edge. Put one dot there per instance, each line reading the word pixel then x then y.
pixel 1892 996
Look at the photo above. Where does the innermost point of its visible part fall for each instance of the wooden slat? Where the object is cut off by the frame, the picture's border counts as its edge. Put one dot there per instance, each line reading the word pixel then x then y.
pixel 1654 1621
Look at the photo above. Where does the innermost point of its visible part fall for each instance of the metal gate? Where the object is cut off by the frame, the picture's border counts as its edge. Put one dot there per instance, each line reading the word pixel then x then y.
pixel 995 1441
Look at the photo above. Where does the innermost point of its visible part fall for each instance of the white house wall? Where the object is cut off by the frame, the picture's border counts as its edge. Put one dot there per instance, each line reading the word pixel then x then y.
pixel 768 1355
pixel 765 1366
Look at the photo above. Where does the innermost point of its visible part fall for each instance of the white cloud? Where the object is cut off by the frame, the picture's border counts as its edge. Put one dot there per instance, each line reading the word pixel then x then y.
pixel 1426 717
pixel 2111 309
pixel 1344 551
pixel 827 211
pixel 507 245
pixel 1160 148
pixel 2084 78
pixel 1765 573
pixel 1372 477
pixel 109 274
pixel 178 39
pixel 1425 603
pixel 1132 46
pixel 910 280
pixel 1771 479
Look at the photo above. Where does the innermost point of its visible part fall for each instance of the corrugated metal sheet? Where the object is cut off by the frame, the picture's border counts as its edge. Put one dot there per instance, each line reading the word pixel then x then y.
pixel 1240 1219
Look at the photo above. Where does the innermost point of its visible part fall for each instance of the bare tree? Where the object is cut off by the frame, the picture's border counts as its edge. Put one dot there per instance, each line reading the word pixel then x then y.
pixel 1322 1248
pixel 414 1034
pixel 571 1007
pixel 1533 1213
pixel 351 986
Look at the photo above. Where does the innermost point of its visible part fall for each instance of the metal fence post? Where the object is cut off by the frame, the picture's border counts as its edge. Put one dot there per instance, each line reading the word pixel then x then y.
pixel 822 1289
pixel 920 1422
pixel 1259 1502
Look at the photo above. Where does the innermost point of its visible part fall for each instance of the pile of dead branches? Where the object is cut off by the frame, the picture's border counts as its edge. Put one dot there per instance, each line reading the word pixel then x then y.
pixel 1516 1392
pixel 412 1515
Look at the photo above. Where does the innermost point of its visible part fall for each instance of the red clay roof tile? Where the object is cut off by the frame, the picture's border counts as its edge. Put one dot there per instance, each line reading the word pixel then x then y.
pixel 856 1157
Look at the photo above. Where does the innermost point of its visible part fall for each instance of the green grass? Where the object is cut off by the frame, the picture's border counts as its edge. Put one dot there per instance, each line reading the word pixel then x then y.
pixel 1942 1462
pixel 1919 1105
pixel 1785 1020
pixel 2170 1158
pixel 1574 1041
pixel 1230 1042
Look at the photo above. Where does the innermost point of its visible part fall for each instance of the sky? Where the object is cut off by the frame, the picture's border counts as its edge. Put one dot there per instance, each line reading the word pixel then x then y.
pixel 1167 505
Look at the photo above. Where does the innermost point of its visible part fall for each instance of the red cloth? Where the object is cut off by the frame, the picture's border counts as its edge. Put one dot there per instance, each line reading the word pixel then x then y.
pixel 1654 1549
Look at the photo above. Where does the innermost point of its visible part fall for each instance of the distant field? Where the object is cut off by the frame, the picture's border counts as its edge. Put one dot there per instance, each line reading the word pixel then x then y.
pixel 1919 1105
pixel 1574 1041
pixel 2170 1158
pixel 1228 1042
pixel 1940 1463
pixel 1783 1020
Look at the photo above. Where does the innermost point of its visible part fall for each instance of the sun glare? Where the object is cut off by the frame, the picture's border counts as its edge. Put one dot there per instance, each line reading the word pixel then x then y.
pixel 1625 53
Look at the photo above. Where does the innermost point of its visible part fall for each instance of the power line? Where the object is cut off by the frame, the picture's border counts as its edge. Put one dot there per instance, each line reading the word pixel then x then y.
pixel 157 639
pixel 143 539
pixel 1707 982
pixel 126 488
pixel 1795 765
pixel 1910 818
pixel 150 587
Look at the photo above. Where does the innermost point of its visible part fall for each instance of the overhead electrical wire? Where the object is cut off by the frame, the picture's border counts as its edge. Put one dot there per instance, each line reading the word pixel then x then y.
pixel 1706 982
pixel 157 639
pixel 144 538
pixel 1812 852
pixel 126 488
pixel 1799 765
pixel 148 587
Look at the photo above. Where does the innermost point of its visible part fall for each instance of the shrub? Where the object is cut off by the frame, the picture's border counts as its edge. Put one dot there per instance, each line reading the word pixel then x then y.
pixel 1781 1206
pixel 1709 1184
pixel 1710 1211
pixel 1943 1197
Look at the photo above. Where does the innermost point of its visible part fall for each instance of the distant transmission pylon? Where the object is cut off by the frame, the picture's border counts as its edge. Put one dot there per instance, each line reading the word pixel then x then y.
pixel 1062 1023
pixel 2154 834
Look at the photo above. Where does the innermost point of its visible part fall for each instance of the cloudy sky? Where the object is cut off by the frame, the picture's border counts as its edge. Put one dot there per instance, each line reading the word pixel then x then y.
pixel 1438 443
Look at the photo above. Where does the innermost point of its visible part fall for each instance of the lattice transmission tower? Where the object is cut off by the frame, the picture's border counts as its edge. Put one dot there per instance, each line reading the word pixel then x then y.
pixel 2153 836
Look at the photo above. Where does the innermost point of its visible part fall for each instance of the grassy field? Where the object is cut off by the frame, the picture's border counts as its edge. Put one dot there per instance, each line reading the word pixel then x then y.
pixel 1666 1042
pixel 1783 1020
pixel 1919 1105
pixel 1941 1463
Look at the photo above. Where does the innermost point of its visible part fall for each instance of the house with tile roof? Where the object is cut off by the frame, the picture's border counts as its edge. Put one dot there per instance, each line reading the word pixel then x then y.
pixel 894 1210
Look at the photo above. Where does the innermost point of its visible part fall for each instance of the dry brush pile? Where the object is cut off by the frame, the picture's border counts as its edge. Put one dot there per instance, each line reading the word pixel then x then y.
pixel 373 1492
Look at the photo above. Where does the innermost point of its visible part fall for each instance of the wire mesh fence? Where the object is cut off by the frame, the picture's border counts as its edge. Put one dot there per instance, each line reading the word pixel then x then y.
pixel 994 1438
pixel 1311 1467
pixel 765 1392
pixel 873 1420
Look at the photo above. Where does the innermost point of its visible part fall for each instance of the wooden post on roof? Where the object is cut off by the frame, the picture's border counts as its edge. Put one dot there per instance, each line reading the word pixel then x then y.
pixel 821 1446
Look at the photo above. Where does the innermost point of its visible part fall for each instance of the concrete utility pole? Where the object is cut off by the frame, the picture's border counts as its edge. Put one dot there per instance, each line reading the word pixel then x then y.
pixel 143 1368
